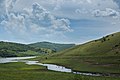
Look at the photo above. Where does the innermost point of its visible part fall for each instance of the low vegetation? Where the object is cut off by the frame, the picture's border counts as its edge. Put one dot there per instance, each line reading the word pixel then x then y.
pixel 53 46
pixel 21 71
pixel 9 49
pixel 102 55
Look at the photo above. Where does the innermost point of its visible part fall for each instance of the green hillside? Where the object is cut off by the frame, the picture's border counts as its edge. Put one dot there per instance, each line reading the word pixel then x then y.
pixel 53 46
pixel 102 55
pixel 106 46
pixel 9 49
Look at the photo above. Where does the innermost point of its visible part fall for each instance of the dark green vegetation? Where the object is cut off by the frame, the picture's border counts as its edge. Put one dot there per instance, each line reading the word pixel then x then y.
pixel 53 46
pixel 21 71
pixel 102 55
pixel 9 49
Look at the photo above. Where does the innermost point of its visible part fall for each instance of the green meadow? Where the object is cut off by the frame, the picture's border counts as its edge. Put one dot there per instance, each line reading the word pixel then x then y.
pixel 21 71
pixel 102 55
pixel 99 56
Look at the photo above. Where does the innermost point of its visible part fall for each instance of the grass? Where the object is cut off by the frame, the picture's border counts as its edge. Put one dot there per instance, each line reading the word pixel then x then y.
pixel 21 71
pixel 95 56
pixel 28 53
pixel 102 55
pixel 109 47
pixel 86 63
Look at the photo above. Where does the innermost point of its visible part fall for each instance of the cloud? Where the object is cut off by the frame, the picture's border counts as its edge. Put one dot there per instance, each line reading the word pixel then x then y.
pixel 89 1
pixel 10 4
pixel 53 19
pixel 58 4
pixel 108 12
pixel 36 21
pixel 14 24
pixel 81 11
pixel 66 8
pixel 117 2
pixel 44 18
pixel 6 7
pixel 61 25
pixel 2 10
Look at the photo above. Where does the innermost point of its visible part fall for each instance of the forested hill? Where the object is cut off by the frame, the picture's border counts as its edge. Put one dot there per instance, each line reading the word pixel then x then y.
pixel 9 49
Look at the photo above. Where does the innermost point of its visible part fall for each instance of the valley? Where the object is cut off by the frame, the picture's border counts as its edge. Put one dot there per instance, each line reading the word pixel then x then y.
pixel 98 56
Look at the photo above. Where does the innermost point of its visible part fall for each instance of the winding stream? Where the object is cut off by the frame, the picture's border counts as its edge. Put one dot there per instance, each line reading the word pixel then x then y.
pixel 52 67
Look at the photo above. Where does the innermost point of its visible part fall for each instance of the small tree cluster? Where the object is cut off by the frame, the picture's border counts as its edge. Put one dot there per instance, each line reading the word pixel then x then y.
pixel 103 39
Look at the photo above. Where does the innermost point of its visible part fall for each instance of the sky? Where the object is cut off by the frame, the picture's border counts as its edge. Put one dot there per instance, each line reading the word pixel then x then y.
pixel 61 21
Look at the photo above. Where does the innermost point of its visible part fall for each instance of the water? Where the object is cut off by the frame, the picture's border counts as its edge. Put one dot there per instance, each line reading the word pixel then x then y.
pixel 13 59
pixel 57 68
pixel 21 59
pixel 52 67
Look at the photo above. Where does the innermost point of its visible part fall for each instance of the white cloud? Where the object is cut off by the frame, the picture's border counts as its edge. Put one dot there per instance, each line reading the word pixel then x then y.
pixel 2 10
pixel 58 4
pixel 10 4
pixel 89 1
pixel 15 24
pixel 117 2
pixel 61 24
pixel 6 7
pixel 66 8
pixel 2 6
pixel 81 11
pixel 35 21
pixel 108 12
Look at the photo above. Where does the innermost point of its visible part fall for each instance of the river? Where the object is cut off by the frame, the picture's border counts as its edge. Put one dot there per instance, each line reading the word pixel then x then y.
pixel 52 67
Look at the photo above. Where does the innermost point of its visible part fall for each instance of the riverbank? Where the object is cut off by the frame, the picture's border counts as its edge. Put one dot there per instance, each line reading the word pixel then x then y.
pixel 105 65
pixel 22 71
pixel 32 69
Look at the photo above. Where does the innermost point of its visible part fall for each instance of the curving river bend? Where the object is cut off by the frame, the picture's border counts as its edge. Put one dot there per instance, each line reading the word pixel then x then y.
pixel 52 67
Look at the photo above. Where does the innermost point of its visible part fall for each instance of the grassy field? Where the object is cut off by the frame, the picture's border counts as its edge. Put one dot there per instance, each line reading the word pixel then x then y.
pixel 105 46
pixel 102 55
pixel 21 71
pixel 86 63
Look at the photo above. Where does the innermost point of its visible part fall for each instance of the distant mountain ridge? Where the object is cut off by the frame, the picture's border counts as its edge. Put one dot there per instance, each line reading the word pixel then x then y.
pixel 54 46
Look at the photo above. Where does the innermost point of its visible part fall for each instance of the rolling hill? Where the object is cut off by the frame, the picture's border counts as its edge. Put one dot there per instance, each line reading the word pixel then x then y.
pixel 105 46
pixel 102 55
pixel 10 49
pixel 53 46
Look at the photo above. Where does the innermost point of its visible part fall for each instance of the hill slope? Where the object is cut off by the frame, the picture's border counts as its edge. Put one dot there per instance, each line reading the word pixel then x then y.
pixel 102 55
pixel 106 46
pixel 53 46
pixel 9 49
